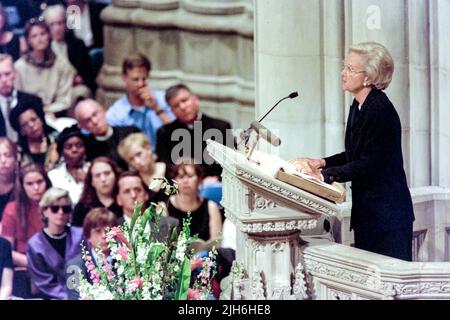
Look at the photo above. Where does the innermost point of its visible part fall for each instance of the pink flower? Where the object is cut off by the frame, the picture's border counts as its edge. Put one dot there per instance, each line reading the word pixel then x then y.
pixel 95 277
pixel 135 284
pixel 197 263
pixel 115 232
pixel 123 252
pixel 193 294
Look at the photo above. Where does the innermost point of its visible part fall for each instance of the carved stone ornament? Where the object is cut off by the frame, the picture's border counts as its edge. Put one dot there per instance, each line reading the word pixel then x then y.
pixel 299 287
pixel 317 207
pixel 261 203
pixel 257 283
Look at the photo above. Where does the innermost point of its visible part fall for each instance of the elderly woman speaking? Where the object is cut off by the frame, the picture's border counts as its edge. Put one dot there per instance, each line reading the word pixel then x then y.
pixel 50 249
pixel 382 212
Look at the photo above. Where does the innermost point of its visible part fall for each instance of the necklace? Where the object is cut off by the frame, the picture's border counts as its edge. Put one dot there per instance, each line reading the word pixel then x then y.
pixel 56 237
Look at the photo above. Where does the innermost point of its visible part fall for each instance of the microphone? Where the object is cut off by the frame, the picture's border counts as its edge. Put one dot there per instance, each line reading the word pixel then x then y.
pixel 265 133
pixel 292 95
pixel 262 130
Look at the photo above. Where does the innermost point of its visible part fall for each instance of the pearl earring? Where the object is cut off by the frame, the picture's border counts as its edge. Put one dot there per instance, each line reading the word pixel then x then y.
pixel 365 84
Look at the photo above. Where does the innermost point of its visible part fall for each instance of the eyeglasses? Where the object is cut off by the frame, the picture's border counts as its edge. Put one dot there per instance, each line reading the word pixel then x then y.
pixel 35 20
pixel 55 209
pixel 350 70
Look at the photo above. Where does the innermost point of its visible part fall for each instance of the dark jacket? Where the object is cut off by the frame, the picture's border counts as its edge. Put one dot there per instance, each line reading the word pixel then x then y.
pixel 78 55
pixel 108 148
pixel 373 162
pixel 164 143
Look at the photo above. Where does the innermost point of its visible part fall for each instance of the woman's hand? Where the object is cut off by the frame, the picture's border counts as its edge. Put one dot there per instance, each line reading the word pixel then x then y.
pixel 309 166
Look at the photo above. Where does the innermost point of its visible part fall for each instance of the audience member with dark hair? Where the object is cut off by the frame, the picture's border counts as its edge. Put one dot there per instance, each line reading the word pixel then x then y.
pixel 102 139
pixel 205 214
pixel 10 98
pixel 42 72
pixel 94 230
pixel 70 172
pixel 186 107
pixel 141 106
pixel 49 250
pixel 21 220
pixel 98 190
pixel 36 138
pixel 6 270
pixel 131 189
pixel 10 43
pixel 8 170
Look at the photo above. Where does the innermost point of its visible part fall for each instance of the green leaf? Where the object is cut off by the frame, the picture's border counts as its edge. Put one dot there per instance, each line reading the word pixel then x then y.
pixel 155 252
pixel 136 214
pixel 184 279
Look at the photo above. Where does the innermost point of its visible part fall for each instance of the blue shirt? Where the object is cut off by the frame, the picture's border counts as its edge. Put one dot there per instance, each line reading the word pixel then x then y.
pixel 121 113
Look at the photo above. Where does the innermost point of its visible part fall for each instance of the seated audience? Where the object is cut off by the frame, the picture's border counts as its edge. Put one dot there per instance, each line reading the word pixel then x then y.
pixel 70 172
pixel 94 231
pixel 6 270
pixel 205 214
pixel 21 220
pixel 141 106
pixel 8 170
pixel 42 72
pixel 131 189
pixel 50 249
pixel 10 43
pixel 98 190
pixel 36 138
pixel 10 98
pixel 102 139
pixel 136 150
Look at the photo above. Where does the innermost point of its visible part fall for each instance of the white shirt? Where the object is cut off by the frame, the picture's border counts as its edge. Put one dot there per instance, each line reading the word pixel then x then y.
pixel 10 132
pixel 228 235
pixel 61 178
pixel 85 30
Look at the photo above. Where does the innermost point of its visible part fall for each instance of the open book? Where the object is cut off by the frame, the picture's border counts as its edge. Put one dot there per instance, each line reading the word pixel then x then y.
pixel 287 172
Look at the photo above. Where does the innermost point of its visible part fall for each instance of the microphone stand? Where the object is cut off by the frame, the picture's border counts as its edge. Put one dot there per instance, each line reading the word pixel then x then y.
pixel 246 134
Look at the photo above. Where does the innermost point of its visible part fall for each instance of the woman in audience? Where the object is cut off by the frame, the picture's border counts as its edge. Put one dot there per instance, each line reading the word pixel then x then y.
pixel 136 150
pixel 21 220
pixel 6 269
pixel 98 190
pixel 70 172
pixel 206 219
pixel 42 72
pixel 36 138
pixel 8 168
pixel 50 249
pixel 9 42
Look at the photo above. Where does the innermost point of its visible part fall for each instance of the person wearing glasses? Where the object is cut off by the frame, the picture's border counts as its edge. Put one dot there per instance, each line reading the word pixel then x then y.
pixel 382 212
pixel 50 249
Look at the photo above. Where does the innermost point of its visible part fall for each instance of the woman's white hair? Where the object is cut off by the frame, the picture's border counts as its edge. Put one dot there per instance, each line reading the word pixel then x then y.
pixel 54 9
pixel 379 65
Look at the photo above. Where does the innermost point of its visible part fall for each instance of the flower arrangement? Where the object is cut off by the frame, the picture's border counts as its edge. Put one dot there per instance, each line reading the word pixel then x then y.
pixel 140 267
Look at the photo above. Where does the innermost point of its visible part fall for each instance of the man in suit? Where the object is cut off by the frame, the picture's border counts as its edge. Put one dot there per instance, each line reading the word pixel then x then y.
pixel 187 135
pixel 11 98
pixel 131 189
pixel 100 138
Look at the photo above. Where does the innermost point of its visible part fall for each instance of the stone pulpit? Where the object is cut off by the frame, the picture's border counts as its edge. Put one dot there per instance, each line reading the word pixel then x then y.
pixel 269 216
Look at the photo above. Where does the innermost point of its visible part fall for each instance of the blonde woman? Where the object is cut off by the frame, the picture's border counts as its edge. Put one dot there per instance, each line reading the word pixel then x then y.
pixel 382 212
pixel 136 150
